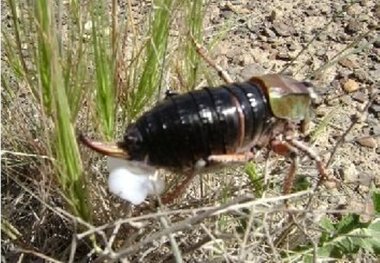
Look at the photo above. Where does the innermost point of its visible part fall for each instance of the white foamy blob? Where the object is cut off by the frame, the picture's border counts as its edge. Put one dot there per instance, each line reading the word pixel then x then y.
pixel 132 181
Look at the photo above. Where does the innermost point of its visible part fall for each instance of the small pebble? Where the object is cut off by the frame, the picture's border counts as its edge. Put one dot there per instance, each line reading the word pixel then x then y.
pixel 292 47
pixel 375 109
pixel 361 75
pixel 273 15
pixel 335 84
pixel 269 33
pixel 348 172
pixel 253 26
pixel 253 69
pixel 311 11
pixel 322 37
pixel 282 29
pixel 350 86
pixel 346 100
pixel 283 56
pixel 226 14
pixel 368 214
pixel 352 27
pixel 347 63
pixel 321 111
pixel 374 73
pixel 375 129
pixel 376 44
pixel 367 141
pixel 364 2
pixel 377 11
pixel 363 18
pixel 332 102
pixel 354 9
pixel 360 96
pixel 325 9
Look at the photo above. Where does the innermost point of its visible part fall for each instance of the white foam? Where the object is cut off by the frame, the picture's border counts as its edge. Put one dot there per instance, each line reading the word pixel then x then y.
pixel 133 181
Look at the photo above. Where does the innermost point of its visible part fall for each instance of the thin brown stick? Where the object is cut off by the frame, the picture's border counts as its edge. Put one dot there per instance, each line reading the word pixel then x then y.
pixel 232 206
pixel 243 250
pixel 238 203
pixel 214 239
pixel 203 53
pixel 40 255
pixel 184 224
pixel 174 245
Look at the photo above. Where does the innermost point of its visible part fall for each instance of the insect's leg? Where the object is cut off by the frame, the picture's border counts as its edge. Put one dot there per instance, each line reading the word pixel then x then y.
pixel 231 158
pixel 284 148
pixel 179 189
pixel 323 176
pixel 202 52
pixel 222 158
pixel 289 179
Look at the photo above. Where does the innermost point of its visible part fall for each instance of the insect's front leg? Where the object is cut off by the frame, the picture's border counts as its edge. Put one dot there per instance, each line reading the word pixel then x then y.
pixel 291 147
pixel 324 177
pixel 284 148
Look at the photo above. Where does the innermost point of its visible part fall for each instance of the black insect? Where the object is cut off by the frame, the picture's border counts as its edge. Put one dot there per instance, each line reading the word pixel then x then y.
pixel 212 126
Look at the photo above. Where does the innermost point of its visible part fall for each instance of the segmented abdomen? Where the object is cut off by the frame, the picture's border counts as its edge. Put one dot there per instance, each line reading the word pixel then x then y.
pixel 185 128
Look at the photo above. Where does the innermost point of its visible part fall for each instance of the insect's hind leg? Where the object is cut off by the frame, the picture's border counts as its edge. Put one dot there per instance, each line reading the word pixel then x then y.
pixel 178 189
pixel 203 53
pixel 216 159
pixel 231 158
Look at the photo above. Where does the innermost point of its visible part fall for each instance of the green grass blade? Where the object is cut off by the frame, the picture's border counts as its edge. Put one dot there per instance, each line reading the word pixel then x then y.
pixel 55 100
pixel 155 53
pixel 104 68
pixel 194 21
pixel 44 51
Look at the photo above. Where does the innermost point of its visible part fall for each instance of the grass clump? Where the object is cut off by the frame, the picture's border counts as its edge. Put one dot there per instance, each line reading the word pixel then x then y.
pixel 60 55
pixel 152 63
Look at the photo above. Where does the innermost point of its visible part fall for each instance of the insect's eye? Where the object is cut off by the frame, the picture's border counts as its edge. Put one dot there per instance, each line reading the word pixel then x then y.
pixel 131 138
pixel 311 89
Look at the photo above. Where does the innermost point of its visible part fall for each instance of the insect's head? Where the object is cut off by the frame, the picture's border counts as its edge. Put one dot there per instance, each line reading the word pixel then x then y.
pixel 133 143
pixel 288 98
pixel 129 178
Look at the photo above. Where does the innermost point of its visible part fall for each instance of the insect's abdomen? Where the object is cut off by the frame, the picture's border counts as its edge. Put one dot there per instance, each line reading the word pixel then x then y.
pixel 186 128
